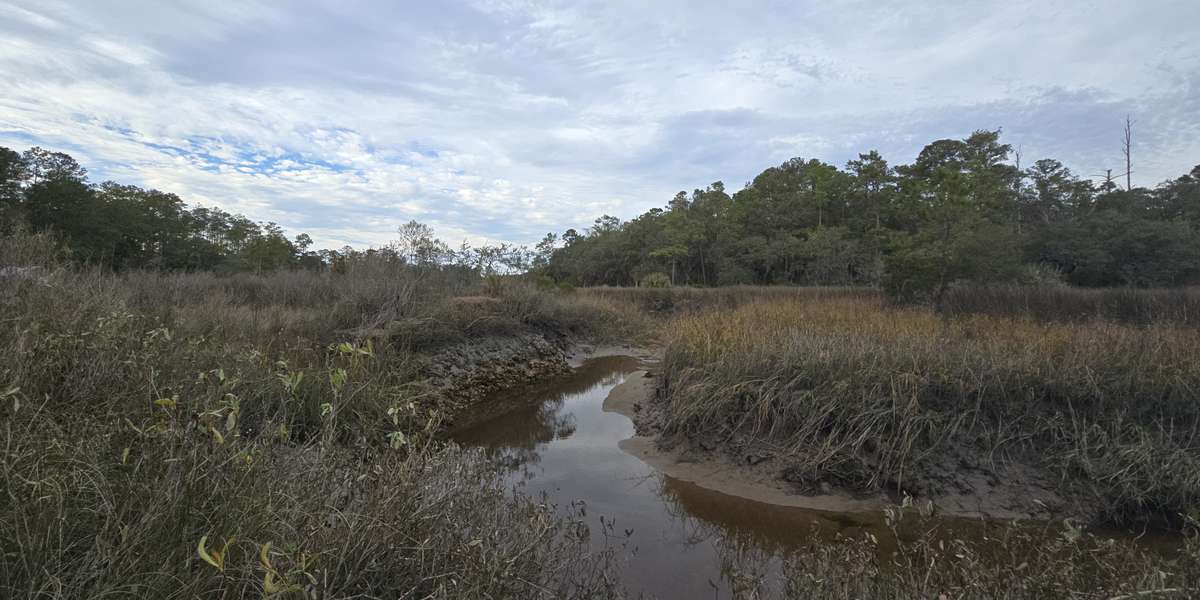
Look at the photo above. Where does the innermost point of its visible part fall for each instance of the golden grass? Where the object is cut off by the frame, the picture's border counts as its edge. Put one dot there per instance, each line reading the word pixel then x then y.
pixel 855 391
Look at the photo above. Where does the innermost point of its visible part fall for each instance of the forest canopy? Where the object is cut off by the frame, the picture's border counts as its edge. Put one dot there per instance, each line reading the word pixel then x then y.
pixel 964 210
pixel 123 227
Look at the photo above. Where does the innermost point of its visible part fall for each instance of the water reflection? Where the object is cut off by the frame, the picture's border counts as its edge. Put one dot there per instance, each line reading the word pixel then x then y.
pixel 558 441
pixel 550 413
pixel 562 443
pixel 772 527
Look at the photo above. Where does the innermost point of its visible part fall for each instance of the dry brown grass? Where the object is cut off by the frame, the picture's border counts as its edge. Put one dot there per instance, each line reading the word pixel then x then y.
pixel 1176 306
pixel 918 556
pixel 860 394
pixel 1011 564
pixel 142 413
pixel 679 301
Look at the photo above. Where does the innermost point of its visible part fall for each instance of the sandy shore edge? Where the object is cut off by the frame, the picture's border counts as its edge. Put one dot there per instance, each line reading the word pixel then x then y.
pixel 715 473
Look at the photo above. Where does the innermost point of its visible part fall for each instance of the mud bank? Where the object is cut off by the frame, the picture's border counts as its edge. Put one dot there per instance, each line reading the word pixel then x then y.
pixel 712 470
pixel 487 377
pixel 955 486
pixel 475 375
pixel 581 353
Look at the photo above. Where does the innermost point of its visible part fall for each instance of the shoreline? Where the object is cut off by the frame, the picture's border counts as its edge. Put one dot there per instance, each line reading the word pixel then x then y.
pixel 712 472
pixel 712 469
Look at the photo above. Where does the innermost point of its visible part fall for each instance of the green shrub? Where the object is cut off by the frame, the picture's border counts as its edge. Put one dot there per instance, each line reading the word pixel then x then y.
pixel 655 280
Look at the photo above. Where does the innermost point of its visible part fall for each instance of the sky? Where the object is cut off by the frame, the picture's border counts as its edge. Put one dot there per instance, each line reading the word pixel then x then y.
pixel 502 120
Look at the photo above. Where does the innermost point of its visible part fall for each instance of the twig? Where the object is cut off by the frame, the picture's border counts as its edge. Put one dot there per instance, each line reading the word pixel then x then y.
pixel 1144 593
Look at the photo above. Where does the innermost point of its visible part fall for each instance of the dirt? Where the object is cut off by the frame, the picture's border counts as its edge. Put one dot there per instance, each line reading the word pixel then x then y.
pixel 959 483
pixel 475 374
pixel 711 470
pixel 581 353
pixel 953 486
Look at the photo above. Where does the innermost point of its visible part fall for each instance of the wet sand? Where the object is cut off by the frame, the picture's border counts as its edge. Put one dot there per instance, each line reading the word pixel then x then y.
pixel 1015 493
pixel 715 472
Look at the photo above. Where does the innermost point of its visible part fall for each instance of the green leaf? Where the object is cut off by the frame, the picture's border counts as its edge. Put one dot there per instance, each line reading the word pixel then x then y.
pixel 217 557
pixel 264 556
pixel 397 439
pixel 337 378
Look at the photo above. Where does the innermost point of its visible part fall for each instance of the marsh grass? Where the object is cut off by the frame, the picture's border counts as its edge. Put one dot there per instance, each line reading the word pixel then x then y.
pixel 682 301
pixel 203 436
pixel 195 436
pixel 1173 306
pixel 856 393
pixel 1012 563
pixel 916 555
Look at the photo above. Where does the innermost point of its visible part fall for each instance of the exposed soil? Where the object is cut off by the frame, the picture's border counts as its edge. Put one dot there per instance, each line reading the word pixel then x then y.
pixel 955 485
pixel 712 470
pixel 476 375
pixel 581 353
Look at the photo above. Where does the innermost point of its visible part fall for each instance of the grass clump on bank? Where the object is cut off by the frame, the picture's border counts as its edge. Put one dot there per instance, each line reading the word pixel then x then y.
pixel 857 394
pixel 187 435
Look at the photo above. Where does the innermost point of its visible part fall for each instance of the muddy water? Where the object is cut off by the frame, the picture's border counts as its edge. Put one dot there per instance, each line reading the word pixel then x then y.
pixel 562 442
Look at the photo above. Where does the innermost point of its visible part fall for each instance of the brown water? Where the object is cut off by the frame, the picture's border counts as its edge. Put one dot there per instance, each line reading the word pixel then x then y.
pixel 562 443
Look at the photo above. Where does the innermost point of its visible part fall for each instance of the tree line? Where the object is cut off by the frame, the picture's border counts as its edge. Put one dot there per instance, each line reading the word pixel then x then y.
pixel 964 210
pixel 128 227
pixel 124 227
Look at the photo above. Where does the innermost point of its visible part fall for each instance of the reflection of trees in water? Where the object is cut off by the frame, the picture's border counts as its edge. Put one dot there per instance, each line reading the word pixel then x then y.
pixel 606 370
pixel 748 559
pixel 514 439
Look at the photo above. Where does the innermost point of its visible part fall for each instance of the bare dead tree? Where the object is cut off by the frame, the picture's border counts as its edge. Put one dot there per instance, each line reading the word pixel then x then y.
pixel 1128 153
pixel 1017 186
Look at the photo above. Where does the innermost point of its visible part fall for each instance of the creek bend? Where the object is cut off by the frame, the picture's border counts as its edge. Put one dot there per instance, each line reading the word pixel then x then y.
pixel 560 439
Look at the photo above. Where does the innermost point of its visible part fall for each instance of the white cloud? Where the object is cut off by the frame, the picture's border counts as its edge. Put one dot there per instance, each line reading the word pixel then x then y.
pixel 500 120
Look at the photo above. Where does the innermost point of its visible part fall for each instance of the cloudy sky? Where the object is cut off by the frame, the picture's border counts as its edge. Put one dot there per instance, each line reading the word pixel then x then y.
pixel 504 119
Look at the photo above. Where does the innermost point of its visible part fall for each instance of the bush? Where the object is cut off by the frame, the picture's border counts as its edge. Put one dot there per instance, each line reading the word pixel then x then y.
pixel 655 280
pixel 270 426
